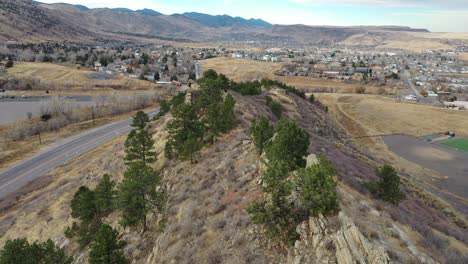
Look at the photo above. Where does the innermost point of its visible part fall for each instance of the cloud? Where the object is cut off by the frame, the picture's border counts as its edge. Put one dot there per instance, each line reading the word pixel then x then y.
pixel 444 4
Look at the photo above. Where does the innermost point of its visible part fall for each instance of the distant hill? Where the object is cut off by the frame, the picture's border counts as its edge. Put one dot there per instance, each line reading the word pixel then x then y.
pixel 23 20
pixel 225 20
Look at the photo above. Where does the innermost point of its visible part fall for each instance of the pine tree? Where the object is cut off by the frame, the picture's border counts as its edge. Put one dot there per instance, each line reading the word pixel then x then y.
pixel 290 144
pixel 140 120
pixel 83 204
pixel 228 113
pixel 388 188
pixel 185 133
pixel 106 249
pixel 261 132
pixel 104 194
pixel 20 251
pixel 138 195
pixel 139 147
pixel 317 188
pixel 84 208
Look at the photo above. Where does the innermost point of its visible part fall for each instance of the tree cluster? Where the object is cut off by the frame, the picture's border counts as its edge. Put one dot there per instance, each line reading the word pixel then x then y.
pixel 20 251
pixel 201 121
pixel 138 194
pixel 285 146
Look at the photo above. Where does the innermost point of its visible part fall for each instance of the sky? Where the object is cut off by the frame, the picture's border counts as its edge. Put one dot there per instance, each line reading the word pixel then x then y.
pixel 435 15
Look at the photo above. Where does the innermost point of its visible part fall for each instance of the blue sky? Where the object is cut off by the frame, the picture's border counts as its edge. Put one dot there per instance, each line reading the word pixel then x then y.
pixel 435 15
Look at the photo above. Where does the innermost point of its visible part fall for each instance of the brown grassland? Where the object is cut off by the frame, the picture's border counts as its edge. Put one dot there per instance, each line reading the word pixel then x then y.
pixel 71 78
pixel 464 56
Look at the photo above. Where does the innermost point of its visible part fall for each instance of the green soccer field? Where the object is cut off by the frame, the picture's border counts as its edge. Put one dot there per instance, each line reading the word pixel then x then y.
pixel 460 144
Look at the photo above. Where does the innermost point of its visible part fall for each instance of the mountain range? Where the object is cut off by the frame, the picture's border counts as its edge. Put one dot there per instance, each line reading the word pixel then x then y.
pixel 25 20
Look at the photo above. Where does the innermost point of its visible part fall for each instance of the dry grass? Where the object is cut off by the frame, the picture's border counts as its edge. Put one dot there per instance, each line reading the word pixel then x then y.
pixel 242 69
pixel 14 152
pixel 464 56
pixel 59 77
pixel 379 115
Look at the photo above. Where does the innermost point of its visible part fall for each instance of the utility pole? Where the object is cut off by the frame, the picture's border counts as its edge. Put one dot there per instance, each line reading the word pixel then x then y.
pixel 92 114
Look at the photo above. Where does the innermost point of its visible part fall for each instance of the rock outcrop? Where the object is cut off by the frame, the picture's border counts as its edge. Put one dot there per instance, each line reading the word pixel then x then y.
pixel 323 241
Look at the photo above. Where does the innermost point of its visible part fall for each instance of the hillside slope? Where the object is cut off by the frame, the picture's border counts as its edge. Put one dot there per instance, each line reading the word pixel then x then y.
pixel 206 221
pixel 22 20
pixel 33 21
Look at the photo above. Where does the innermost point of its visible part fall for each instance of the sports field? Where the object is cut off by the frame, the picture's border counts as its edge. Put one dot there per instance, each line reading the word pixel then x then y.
pixel 459 143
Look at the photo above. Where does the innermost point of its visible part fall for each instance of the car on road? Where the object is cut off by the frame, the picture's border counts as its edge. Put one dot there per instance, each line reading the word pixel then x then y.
pixel 411 97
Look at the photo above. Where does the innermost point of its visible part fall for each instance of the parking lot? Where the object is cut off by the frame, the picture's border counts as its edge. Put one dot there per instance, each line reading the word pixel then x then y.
pixel 449 162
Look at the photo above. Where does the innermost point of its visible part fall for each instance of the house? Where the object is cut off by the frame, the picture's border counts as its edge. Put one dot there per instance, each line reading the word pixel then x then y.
pixel 363 70
pixel 97 66
pixel 331 74
pixel 149 76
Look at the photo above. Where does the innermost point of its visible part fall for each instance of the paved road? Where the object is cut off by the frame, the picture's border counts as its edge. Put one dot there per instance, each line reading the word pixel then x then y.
pixel 405 76
pixel 58 154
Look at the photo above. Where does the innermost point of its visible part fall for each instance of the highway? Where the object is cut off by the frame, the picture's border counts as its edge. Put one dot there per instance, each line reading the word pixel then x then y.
pixel 58 154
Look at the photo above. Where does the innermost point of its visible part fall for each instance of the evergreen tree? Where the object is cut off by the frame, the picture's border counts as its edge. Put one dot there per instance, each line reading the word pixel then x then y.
pixel 164 108
pixel 275 213
pixel 276 108
pixel 388 188
pixel 140 120
pixel 210 74
pixel 84 208
pixel 290 144
pixel 104 194
pixel 228 113
pixel 261 132
pixel 83 204
pixel 139 146
pixel 185 133
pixel 106 249
pixel 138 195
pixel 20 251
pixel 317 188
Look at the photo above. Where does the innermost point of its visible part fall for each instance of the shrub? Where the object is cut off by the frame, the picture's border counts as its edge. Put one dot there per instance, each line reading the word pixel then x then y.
pixel 276 108
pixel 312 98
pixel 9 64
pixel 388 188
pixel 360 90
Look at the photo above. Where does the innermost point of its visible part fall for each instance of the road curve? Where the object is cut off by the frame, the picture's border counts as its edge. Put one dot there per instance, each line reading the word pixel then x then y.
pixel 58 154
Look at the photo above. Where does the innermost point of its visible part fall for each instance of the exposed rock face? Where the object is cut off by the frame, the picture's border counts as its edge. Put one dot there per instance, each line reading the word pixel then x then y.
pixel 321 242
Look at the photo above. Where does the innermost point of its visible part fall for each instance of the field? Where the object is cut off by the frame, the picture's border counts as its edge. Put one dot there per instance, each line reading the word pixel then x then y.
pixel 378 115
pixel 464 56
pixel 366 115
pixel 459 143
pixel 63 78
pixel 248 70
pixel 14 111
